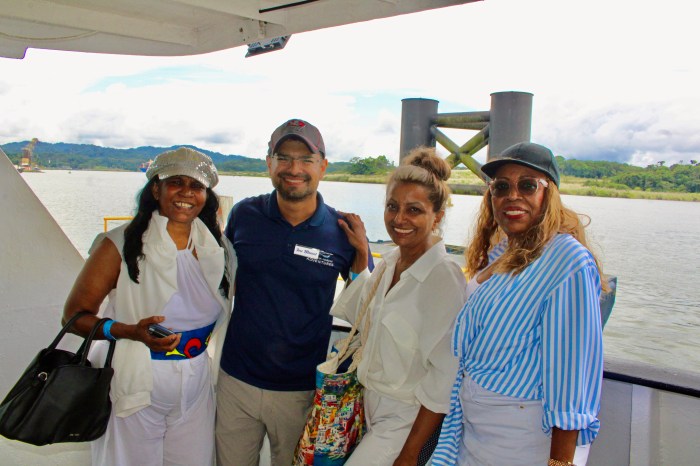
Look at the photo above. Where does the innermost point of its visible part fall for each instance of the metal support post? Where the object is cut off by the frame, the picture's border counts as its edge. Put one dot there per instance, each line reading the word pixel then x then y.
pixel 511 120
pixel 417 116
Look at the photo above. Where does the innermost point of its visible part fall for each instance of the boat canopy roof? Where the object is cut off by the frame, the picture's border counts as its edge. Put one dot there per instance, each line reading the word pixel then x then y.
pixel 178 27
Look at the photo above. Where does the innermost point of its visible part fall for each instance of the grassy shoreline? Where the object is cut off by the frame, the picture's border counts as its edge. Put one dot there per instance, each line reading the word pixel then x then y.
pixel 578 187
pixel 467 183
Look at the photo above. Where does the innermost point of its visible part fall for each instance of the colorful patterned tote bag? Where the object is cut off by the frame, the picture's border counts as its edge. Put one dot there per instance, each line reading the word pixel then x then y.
pixel 337 420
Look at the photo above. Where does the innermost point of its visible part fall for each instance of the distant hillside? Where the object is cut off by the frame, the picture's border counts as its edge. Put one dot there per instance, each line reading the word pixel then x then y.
pixel 90 157
pixel 680 177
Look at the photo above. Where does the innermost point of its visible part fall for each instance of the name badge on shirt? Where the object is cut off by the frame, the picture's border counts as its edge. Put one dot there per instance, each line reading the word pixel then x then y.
pixel 305 251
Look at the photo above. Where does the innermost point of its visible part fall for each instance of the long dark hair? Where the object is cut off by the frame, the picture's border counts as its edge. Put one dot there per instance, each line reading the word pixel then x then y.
pixel 147 204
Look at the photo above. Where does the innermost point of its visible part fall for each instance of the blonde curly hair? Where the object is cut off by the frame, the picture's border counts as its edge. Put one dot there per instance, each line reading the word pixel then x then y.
pixel 524 249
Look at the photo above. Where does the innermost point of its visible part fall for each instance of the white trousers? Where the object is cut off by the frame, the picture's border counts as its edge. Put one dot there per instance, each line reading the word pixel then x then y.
pixel 178 427
pixel 500 429
pixel 389 422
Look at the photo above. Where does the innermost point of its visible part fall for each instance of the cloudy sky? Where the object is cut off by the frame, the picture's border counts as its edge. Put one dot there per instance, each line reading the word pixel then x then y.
pixel 614 80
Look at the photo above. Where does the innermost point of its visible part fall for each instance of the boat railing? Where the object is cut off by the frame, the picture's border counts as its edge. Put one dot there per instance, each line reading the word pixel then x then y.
pixel 647 374
pixel 108 219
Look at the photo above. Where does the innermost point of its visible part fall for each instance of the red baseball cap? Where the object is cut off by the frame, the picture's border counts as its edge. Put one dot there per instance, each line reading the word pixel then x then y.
pixel 298 129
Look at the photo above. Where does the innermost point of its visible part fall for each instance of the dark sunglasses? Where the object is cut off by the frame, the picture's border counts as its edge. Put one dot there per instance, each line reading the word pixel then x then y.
pixel 500 187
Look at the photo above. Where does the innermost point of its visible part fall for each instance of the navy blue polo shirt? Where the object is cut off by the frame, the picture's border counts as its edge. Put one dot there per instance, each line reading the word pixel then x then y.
pixel 285 284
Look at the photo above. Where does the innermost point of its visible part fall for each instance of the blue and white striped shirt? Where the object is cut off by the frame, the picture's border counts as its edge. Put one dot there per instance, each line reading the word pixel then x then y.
pixel 536 335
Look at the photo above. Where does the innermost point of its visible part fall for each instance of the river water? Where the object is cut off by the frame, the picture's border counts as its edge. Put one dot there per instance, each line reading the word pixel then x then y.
pixel 653 247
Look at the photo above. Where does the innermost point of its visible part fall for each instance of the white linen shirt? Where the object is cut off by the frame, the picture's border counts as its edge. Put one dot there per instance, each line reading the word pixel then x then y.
pixel 408 353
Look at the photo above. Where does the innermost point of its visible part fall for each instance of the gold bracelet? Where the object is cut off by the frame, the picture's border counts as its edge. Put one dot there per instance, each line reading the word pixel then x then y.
pixel 553 462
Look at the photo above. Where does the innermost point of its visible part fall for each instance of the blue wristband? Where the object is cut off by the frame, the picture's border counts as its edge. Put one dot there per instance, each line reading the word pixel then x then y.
pixel 354 275
pixel 106 330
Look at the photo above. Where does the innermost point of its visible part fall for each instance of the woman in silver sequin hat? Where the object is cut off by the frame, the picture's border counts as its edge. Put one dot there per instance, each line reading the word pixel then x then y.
pixel 168 274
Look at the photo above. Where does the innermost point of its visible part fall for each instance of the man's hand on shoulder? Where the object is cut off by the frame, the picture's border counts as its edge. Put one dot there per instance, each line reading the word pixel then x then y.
pixel 354 228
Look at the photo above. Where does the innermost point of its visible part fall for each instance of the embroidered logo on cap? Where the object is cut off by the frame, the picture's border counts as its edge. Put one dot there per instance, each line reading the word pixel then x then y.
pixel 296 126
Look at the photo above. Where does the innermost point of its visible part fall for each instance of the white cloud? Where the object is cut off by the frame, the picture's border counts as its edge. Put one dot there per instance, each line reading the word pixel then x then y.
pixel 613 80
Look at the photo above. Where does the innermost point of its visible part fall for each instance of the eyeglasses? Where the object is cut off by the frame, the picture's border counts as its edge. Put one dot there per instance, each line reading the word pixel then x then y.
pixel 500 187
pixel 287 161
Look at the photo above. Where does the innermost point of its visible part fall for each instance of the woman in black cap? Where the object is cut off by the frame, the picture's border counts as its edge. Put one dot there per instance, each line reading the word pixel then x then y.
pixel 529 338
pixel 171 267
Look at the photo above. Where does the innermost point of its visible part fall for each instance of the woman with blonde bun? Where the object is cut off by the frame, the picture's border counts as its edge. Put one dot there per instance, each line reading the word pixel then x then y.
pixel 407 366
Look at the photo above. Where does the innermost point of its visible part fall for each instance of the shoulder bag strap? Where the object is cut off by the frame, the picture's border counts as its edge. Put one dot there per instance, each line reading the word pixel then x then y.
pixel 343 349
pixel 365 315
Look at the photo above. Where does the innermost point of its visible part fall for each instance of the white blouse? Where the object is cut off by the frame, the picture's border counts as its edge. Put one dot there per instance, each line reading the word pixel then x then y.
pixel 193 305
pixel 408 353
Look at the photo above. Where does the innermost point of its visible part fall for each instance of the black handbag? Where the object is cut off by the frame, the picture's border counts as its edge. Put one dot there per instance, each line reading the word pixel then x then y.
pixel 60 397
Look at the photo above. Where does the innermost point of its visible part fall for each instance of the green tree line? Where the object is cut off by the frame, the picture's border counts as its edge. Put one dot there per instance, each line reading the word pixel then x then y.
pixel 90 157
pixel 679 177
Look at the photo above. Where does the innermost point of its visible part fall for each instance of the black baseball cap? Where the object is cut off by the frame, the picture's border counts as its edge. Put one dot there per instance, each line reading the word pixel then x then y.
pixel 528 154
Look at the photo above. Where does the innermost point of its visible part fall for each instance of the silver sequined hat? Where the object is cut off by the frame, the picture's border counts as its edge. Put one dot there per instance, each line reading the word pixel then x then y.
pixel 187 162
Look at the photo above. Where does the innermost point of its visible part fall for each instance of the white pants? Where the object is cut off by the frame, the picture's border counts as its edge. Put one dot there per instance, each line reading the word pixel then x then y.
pixel 389 422
pixel 178 427
pixel 500 429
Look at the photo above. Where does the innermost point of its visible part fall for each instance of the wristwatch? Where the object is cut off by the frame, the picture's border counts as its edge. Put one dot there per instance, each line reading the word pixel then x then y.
pixel 553 462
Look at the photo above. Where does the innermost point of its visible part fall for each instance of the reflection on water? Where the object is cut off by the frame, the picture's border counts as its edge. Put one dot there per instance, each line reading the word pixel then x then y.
pixel 652 247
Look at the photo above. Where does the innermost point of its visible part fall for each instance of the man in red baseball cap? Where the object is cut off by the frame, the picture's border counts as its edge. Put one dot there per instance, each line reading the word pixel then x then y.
pixel 290 250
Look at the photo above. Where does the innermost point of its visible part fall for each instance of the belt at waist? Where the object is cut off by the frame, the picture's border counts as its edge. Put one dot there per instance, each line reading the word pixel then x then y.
pixel 192 344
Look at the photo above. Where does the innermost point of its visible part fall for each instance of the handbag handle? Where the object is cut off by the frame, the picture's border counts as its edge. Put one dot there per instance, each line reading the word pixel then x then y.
pixel 85 347
pixel 88 342
pixel 362 315
pixel 66 327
